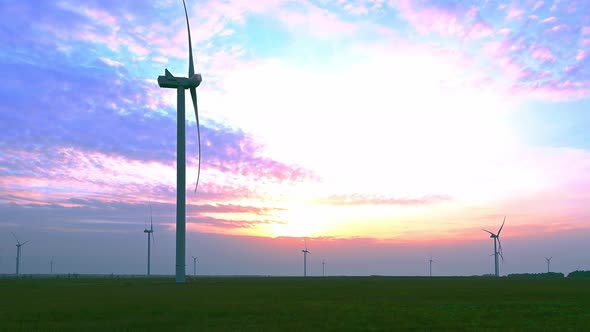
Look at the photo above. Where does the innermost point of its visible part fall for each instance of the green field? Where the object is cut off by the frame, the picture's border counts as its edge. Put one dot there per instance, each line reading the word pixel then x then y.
pixel 295 304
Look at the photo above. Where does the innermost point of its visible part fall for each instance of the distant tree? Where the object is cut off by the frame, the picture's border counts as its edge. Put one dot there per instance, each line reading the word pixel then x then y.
pixel 536 275
pixel 579 274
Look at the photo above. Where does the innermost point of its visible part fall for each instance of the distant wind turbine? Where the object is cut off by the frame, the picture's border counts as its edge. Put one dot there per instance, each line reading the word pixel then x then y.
pixel 180 84
pixel 430 261
pixel 497 247
pixel 150 238
pixel 51 265
pixel 548 264
pixel 18 245
pixel 194 266
pixel 323 268
pixel 305 252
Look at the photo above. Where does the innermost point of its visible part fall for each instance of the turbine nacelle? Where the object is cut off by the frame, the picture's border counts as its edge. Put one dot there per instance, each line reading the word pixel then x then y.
pixel 172 82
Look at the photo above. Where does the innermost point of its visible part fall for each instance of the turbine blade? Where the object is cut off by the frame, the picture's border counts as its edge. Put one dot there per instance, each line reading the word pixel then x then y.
pixel 151 219
pixel 22 244
pixel 194 98
pixel 500 249
pixel 15 237
pixel 153 239
pixel 485 230
pixel 191 68
pixel 502 226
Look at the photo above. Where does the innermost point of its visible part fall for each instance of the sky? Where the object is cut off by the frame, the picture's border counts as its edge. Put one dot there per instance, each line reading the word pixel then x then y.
pixel 383 132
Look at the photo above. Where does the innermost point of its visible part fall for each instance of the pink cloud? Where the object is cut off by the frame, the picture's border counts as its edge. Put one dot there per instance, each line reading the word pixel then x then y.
pixel 481 30
pixel 110 62
pixel 356 9
pixel 542 53
pixel 445 22
pixel 559 27
pixel 101 16
pixel 360 199
pixel 553 90
pixel 511 69
pixel 428 20
pixel 586 30
pixel 317 22
pixel 581 55
pixel 514 12
pixel 538 5
pixel 549 19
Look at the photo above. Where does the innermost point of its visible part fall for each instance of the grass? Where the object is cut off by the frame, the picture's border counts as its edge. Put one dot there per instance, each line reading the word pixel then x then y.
pixel 295 304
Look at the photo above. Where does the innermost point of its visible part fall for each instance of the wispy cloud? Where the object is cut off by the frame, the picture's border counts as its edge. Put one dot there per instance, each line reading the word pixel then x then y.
pixel 359 199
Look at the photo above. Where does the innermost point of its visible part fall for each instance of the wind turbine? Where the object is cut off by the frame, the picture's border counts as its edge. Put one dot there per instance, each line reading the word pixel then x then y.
pixel 548 263
pixel 323 268
pixel 51 265
pixel 430 261
pixel 497 247
pixel 18 245
pixel 150 233
pixel 305 252
pixel 194 266
pixel 181 84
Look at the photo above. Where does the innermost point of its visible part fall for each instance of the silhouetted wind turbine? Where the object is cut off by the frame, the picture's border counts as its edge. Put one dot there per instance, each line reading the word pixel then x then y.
pixel 194 266
pixel 150 238
pixel 548 263
pixel 305 252
pixel 497 247
pixel 323 268
pixel 18 245
pixel 430 261
pixel 181 84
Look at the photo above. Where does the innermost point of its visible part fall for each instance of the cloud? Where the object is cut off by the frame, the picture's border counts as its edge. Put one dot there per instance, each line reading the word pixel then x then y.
pixel 360 199
pixel 455 21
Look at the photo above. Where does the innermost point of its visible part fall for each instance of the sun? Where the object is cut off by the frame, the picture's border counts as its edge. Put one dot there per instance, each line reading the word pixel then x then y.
pixel 300 220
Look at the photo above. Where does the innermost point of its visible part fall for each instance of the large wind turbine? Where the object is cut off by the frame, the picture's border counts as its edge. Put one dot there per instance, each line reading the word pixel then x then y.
pixel 430 261
pixel 181 84
pixel 323 268
pixel 18 245
pixel 305 252
pixel 150 234
pixel 548 263
pixel 497 247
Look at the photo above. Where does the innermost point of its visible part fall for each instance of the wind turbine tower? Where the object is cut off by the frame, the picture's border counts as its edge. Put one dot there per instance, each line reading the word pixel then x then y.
pixel 323 268
pixel 194 266
pixel 497 248
pixel 305 252
pixel 180 84
pixel 18 251
pixel 150 238
pixel 430 261
pixel 548 264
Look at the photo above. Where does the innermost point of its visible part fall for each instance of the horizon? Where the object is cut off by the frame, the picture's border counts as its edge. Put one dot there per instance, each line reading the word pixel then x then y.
pixel 383 132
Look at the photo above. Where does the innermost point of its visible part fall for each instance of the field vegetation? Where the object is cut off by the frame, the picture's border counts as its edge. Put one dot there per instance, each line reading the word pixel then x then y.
pixel 295 304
